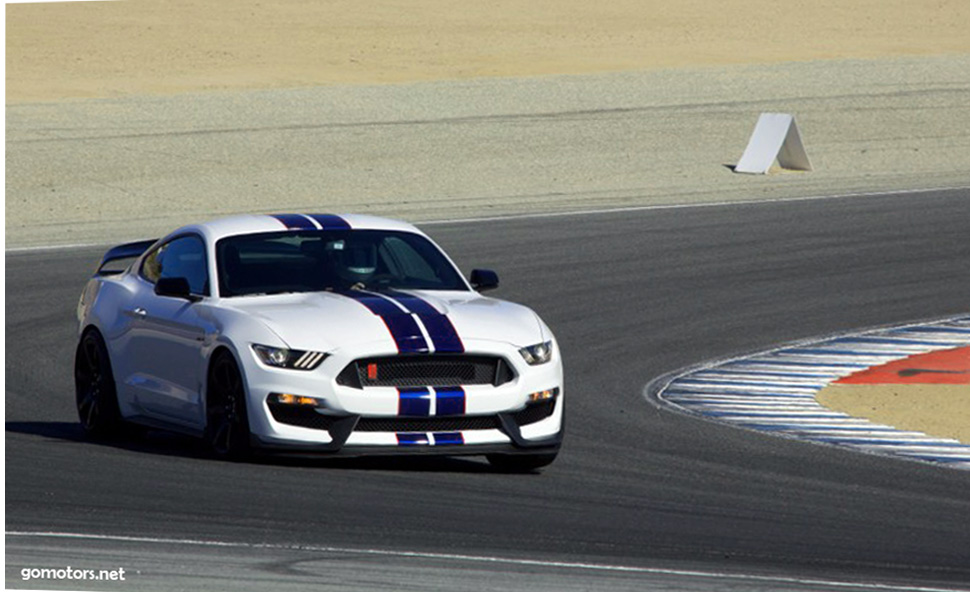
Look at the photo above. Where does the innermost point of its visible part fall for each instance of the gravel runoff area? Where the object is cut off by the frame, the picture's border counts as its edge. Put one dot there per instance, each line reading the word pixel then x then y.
pixel 125 119
pixel 101 170
pixel 942 410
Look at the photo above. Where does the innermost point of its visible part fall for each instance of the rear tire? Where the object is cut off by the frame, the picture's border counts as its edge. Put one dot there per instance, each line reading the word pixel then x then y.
pixel 227 423
pixel 94 388
pixel 521 463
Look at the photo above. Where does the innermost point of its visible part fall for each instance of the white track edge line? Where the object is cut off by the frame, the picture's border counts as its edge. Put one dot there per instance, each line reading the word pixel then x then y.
pixel 687 206
pixel 593 212
pixel 482 559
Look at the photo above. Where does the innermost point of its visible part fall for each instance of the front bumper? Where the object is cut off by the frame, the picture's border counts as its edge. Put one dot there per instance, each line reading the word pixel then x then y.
pixel 373 421
pixel 338 446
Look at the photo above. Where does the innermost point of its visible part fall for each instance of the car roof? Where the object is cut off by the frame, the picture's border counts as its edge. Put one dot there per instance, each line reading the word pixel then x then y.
pixel 258 223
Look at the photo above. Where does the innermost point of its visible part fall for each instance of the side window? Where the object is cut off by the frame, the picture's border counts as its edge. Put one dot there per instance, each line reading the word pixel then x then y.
pixel 182 257
pixel 151 269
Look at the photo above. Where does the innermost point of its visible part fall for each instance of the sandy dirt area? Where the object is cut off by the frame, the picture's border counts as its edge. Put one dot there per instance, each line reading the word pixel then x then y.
pixel 106 49
pixel 139 48
pixel 925 392
pixel 939 410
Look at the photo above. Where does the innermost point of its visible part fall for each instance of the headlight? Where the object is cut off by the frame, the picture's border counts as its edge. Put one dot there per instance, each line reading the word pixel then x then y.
pixel 539 353
pixel 293 359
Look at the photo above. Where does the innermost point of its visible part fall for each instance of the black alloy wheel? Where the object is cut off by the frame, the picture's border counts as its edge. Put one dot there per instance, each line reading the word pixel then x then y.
pixel 94 386
pixel 227 425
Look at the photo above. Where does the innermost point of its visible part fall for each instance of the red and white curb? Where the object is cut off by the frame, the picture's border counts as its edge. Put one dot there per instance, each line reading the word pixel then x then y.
pixel 774 391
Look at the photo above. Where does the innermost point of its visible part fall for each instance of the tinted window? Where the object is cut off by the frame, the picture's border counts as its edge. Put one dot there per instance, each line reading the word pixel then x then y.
pixel 331 260
pixel 182 257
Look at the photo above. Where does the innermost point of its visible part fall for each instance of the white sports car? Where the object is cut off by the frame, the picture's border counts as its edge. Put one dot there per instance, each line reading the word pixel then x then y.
pixel 295 333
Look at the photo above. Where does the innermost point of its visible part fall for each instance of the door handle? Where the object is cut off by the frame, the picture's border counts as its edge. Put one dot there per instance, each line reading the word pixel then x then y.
pixel 139 312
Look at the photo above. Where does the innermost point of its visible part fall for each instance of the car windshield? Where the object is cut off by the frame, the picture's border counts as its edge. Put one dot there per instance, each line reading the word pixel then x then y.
pixel 313 261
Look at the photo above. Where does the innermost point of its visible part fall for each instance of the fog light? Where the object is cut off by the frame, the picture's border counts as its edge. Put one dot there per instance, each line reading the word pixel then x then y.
pixel 288 399
pixel 544 395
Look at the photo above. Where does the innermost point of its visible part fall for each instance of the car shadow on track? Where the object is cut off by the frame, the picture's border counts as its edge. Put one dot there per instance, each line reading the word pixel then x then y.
pixel 163 443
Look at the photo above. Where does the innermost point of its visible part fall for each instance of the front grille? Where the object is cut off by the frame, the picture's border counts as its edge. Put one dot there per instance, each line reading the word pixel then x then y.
pixel 427 424
pixel 428 370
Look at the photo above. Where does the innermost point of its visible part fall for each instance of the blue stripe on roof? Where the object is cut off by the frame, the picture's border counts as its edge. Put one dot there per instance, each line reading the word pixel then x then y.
pixel 295 221
pixel 330 221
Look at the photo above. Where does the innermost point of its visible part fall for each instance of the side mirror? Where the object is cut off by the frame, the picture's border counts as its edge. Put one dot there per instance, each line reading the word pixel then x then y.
pixel 484 279
pixel 175 287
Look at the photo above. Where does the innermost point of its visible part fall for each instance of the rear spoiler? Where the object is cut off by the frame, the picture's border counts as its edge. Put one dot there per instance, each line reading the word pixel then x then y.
pixel 125 251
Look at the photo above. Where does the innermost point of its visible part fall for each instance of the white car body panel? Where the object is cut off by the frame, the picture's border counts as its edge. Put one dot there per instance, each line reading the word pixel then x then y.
pixel 160 348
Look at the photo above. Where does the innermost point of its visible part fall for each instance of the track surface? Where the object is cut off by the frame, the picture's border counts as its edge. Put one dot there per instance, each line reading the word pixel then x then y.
pixel 631 296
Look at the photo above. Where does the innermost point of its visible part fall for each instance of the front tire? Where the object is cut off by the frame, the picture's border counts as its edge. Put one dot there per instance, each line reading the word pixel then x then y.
pixel 94 388
pixel 521 463
pixel 227 423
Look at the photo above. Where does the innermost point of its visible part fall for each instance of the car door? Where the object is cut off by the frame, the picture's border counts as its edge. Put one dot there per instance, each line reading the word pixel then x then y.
pixel 168 334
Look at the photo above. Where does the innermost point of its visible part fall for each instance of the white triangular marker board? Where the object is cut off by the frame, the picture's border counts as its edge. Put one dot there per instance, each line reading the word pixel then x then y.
pixel 775 137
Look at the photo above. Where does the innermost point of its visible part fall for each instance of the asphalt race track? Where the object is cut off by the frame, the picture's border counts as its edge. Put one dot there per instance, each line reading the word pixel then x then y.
pixel 639 498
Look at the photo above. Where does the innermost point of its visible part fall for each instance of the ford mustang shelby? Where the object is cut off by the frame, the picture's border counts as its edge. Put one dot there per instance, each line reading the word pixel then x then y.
pixel 295 333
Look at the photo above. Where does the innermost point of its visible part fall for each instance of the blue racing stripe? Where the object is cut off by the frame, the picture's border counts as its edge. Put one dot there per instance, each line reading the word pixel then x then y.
pixel 786 415
pixel 414 402
pixel 727 374
pixel 939 459
pixel 890 443
pixel 757 362
pixel 739 383
pixel 808 428
pixel 330 222
pixel 409 439
pixel 440 329
pixel 450 401
pixel 295 221
pixel 404 329
pixel 843 352
pixel 725 392
pixel 448 438
pixel 935 330
pixel 886 341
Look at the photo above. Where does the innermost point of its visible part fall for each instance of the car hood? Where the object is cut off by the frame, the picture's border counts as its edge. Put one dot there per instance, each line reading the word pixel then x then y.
pixel 328 321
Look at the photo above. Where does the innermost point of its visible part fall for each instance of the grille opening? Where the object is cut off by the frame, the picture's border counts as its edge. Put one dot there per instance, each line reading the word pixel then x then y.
pixel 304 417
pixel 534 413
pixel 426 370
pixel 427 424
pixel 307 417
